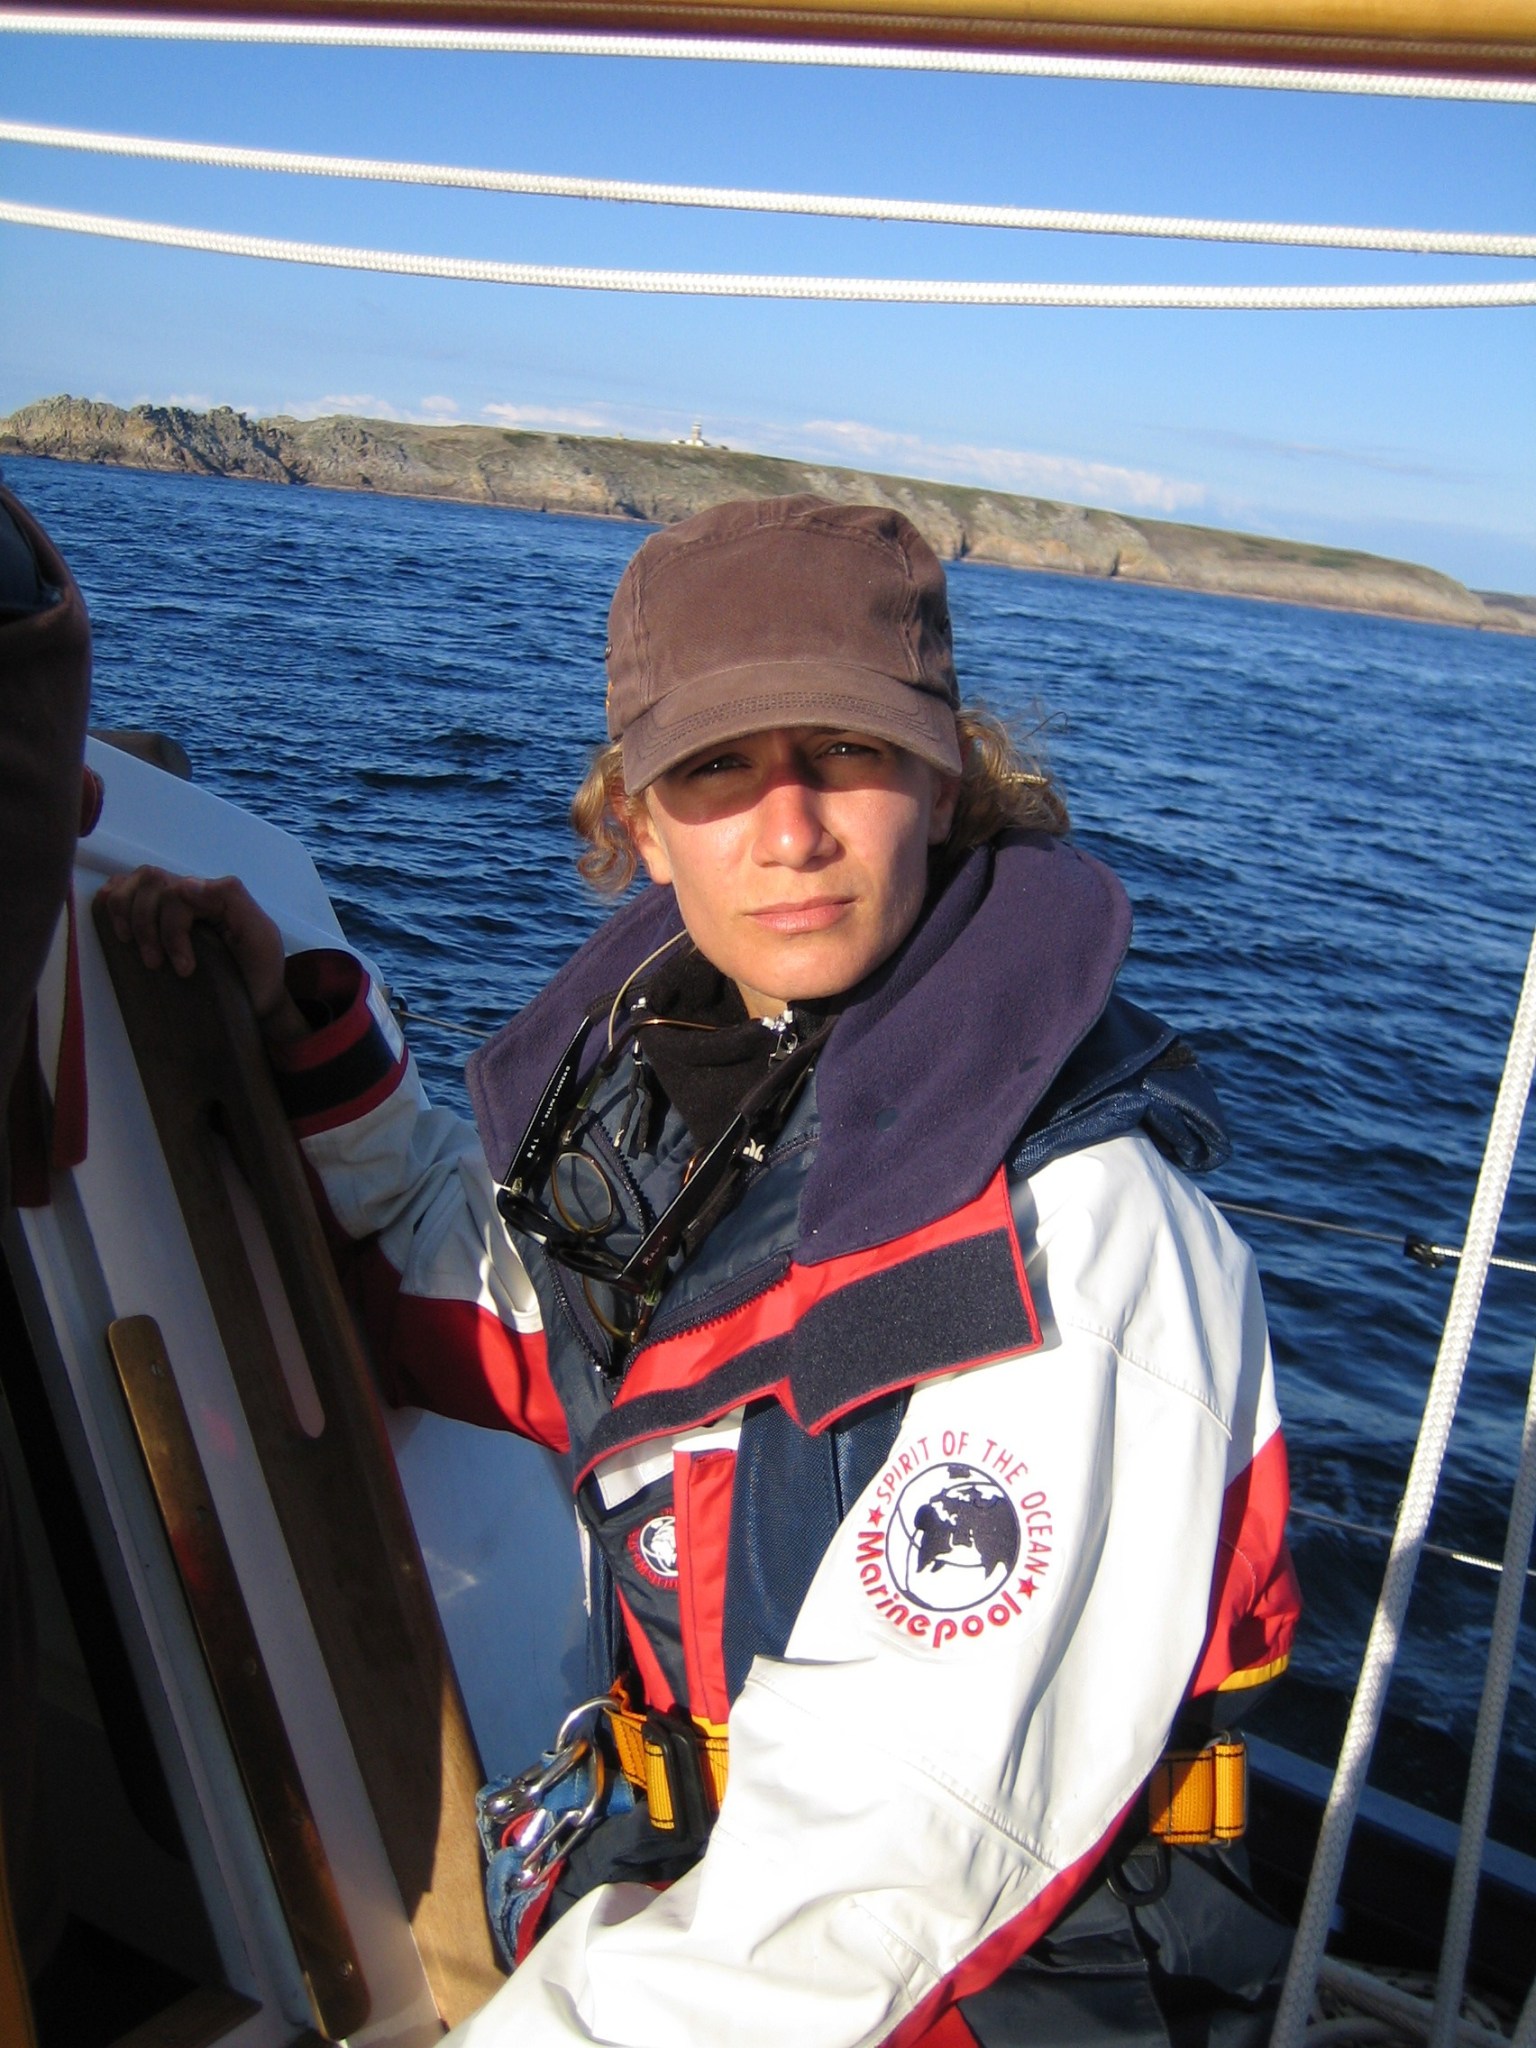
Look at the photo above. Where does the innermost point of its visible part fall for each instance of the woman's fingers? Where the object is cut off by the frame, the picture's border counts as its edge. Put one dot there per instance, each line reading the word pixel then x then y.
pixel 250 935
pixel 139 899
pixel 159 921
pixel 155 912
pixel 178 911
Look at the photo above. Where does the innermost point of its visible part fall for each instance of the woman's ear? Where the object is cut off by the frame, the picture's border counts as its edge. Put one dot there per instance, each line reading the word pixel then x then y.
pixel 648 841
pixel 946 794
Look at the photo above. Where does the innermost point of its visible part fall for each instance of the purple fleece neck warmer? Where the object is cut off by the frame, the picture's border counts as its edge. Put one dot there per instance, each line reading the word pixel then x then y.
pixel 931 1070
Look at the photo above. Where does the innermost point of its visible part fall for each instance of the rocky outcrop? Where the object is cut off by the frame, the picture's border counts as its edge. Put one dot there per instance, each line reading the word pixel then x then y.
pixel 217 443
pixel 663 481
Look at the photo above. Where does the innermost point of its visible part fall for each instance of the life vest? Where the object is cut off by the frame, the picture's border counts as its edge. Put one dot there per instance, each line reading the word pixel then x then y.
pixel 784 1384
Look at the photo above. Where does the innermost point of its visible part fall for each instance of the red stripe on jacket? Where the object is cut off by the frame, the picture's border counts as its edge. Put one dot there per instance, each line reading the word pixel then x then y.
pixel 703 1507
pixel 455 1357
pixel 1255 1600
pixel 653 1680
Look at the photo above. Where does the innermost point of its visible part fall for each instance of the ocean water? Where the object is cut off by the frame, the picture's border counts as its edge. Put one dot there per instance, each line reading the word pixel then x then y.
pixel 1325 824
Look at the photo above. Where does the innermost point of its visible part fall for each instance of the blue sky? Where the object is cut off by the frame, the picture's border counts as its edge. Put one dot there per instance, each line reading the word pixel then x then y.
pixel 1411 434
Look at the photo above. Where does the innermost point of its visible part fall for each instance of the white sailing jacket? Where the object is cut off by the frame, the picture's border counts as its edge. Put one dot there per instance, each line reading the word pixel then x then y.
pixel 1066 1543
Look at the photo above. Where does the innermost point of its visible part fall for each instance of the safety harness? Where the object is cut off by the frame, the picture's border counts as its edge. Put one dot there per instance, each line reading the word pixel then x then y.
pixel 530 1824
pixel 1195 1798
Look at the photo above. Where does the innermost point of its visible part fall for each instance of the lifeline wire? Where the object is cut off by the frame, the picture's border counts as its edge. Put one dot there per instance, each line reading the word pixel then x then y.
pixel 1421 1249
pixel 941 213
pixel 716 284
pixel 1457 1942
pixel 1412 1522
pixel 1468 1557
pixel 409 1016
pixel 743 50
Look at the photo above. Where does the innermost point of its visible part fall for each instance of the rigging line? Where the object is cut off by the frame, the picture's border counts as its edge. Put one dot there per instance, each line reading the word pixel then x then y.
pixel 744 50
pixel 1419 1249
pixel 1456 1944
pixel 1412 1521
pixel 716 284
pixel 1483 1564
pixel 410 1016
pixel 939 213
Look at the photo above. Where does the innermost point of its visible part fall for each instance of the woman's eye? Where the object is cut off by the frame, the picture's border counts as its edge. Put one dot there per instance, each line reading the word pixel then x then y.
pixel 714 764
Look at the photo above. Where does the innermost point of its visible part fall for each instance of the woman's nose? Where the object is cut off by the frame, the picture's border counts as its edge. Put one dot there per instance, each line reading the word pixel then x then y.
pixel 790 828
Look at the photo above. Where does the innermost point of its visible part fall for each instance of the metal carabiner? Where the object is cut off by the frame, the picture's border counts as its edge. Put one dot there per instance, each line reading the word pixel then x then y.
pixel 521 1814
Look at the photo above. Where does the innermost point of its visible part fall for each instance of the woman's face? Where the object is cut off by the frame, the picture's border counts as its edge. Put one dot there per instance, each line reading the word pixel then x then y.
pixel 799 857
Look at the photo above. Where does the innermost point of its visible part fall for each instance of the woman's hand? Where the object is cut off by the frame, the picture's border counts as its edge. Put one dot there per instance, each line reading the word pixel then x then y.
pixel 156 912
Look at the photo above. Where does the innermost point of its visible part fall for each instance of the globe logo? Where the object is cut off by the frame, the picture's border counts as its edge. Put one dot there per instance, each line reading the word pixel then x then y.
pixel 953 1538
pixel 654 1550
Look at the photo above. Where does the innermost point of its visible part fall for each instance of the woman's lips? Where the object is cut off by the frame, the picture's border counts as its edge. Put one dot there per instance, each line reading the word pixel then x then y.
pixel 817 914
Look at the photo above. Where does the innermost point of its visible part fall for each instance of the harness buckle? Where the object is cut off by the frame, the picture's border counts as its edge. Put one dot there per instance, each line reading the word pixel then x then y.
pixel 1138 1891
pixel 675 1791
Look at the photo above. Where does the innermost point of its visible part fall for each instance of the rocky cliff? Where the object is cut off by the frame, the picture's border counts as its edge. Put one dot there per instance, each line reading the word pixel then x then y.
pixel 662 482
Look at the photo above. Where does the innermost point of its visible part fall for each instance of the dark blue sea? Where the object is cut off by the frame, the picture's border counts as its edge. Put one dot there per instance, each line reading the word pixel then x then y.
pixel 1325 823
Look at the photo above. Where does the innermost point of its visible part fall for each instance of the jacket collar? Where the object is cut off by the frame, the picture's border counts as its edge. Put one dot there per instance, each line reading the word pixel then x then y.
pixel 934 1066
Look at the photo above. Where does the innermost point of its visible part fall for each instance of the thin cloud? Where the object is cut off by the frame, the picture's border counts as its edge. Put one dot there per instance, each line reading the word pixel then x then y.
pixel 436 411
pixel 1390 461
pixel 576 418
pixel 1010 469
pixel 350 401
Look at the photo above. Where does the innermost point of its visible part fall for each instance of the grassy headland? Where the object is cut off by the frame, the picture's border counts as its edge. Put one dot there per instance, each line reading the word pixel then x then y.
pixel 664 481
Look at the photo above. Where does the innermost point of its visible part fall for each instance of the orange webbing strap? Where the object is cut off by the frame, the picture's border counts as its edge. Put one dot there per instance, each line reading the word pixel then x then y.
pixel 645 1762
pixel 1196 1796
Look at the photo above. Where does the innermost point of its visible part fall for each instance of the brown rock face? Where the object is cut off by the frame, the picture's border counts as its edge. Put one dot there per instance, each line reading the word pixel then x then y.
pixel 217 443
pixel 662 482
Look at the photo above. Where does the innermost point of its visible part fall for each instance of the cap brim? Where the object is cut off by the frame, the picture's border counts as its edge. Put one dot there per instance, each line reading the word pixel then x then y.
pixel 741 701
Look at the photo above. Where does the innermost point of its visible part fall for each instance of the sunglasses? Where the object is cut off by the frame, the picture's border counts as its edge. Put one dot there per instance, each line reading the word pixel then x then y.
pixel 583 1203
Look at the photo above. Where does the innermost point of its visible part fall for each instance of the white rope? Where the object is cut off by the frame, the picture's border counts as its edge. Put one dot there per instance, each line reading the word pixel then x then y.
pixel 1294 77
pixel 1485 1743
pixel 941 213
pixel 1391 2002
pixel 716 284
pixel 1412 1522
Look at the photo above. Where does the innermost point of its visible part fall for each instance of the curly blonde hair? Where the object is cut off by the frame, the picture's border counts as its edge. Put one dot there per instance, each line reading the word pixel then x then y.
pixel 1003 787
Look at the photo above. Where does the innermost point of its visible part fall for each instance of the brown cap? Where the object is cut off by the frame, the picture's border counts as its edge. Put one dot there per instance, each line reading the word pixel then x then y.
pixel 780 611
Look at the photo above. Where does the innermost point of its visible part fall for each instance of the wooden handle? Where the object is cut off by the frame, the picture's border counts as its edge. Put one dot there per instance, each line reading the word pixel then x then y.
pixel 337 1495
pixel 301 1871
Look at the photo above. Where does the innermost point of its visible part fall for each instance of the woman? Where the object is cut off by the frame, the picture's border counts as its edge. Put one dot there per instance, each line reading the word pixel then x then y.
pixel 918 1414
